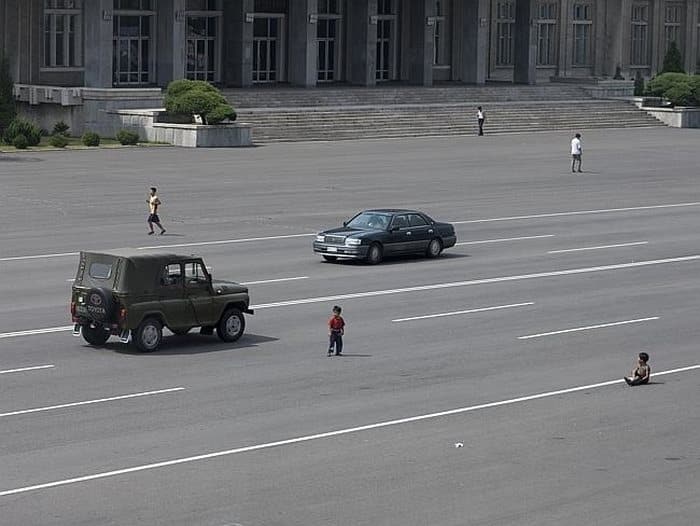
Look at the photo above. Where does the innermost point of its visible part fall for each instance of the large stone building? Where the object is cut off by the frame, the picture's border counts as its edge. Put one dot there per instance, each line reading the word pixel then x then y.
pixel 147 43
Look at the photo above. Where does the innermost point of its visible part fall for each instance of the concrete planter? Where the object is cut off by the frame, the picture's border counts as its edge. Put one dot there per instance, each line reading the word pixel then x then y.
pixel 676 117
pixel 146 124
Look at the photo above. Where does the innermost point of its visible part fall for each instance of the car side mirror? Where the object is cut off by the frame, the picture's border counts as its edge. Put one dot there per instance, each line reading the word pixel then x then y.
pixel 345 223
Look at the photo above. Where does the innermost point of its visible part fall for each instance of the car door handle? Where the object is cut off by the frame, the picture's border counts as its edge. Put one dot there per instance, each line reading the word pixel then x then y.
pixel 430 231
pixel 408 233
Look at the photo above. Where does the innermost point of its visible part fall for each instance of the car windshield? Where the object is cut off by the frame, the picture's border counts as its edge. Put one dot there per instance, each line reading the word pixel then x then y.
pixel 370 221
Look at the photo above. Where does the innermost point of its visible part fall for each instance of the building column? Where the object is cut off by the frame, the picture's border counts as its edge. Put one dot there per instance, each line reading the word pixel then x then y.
pixel 237 64
pixel 691 36
pixel 362 42
pixel 98 26
pixel 564 57
pixel 303 46
pixel 657 36
pixel 471 56
pixel 617 36
pixel 599 41
pixel 421 42
pixel 171 21
pixel 525 54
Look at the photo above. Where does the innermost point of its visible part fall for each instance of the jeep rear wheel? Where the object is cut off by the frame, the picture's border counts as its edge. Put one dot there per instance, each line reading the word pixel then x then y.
pixel 96 335
pixel 231 325
pixel 148 335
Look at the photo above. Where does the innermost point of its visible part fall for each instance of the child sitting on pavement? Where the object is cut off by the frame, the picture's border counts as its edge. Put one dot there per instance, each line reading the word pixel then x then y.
pixel 641 373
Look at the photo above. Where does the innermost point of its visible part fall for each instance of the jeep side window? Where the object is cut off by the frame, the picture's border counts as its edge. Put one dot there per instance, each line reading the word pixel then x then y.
pixel 172 275
pixel 195 273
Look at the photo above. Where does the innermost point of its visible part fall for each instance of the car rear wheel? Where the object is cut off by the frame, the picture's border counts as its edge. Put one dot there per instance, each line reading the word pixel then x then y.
pixel 330 258
pixel 434 248
pixel 231 325
pixel 374 254
pixel 96 335
pixel 149 335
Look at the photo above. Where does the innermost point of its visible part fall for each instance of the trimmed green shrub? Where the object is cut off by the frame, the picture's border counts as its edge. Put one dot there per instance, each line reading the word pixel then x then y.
pixel 20 142
pixel 638 84
pixel 673 62
pixel 58 140
pixel 127 137
pixel 221 113
pixel 197 97
pixel 8 110
pixel 680 89
pixel 31 132
pixel 60 128
pixel 91 139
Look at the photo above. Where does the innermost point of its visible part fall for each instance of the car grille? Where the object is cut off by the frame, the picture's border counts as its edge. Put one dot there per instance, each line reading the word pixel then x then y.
pixel 335 240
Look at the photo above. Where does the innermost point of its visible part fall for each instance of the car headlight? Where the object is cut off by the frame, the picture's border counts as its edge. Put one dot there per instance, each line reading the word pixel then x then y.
pixel 353 241
pixel 320 238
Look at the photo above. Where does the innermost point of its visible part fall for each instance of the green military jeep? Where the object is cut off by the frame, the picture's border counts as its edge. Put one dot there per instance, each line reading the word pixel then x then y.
pixel 134 294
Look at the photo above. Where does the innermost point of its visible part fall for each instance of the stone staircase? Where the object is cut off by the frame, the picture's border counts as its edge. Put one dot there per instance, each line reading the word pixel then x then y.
pixel 294 114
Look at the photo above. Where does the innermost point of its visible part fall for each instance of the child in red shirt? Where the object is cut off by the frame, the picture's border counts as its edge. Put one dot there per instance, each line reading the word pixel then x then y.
pixel 336 329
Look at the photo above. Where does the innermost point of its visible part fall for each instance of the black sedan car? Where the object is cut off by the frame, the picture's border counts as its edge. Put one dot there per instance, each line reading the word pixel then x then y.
pixel 373 234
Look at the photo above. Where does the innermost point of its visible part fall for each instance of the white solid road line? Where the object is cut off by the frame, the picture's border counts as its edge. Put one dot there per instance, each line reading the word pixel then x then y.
pixel 32 332
pixel 41 256
pixel 23 369
pixel 436 286
pixel 588 328
pixel 278 280
pixel 600 247
pixel 576 213
pixel 329 434
pixel 502 240
pixel 259 282
pixel 456 313
pixel 485 281
pixel 225 241
pixel 90 402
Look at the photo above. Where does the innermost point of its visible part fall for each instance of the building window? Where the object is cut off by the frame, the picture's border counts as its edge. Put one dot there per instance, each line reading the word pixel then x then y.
pixel 505 28
pixel 441 35
pixel 385 7
pixel 328 40
pixel 547 21
pixel 639 35
pixel 583 30
pixel 672 25
pixel 63 33
pixel 133 25
pixel 203 40
pixel 697 53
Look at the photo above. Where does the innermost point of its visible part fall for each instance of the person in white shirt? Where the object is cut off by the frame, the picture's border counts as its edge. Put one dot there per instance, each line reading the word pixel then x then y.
pixel 480 119
pixel 576 152
pixel 153 204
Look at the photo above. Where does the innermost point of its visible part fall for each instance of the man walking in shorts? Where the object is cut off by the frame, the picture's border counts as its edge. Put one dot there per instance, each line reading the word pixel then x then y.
pixel 576 152
pixel 153 204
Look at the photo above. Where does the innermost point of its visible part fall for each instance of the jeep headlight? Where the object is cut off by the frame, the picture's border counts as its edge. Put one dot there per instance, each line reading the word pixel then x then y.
pixel 352 241
pixel 320 238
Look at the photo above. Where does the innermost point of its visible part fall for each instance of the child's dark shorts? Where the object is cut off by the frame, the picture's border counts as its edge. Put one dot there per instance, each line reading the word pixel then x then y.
pixel 153 218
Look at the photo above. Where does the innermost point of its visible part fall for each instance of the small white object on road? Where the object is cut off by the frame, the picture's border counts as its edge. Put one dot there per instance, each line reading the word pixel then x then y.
pixel 459 444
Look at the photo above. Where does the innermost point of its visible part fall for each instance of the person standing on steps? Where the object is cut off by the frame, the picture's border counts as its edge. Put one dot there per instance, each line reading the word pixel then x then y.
pixel 153 203
pixel 480 119
pixel 576 152
pixel 336 329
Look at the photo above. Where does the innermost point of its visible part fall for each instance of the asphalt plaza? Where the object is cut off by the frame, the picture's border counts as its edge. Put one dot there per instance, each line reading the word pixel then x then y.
pixel 591 452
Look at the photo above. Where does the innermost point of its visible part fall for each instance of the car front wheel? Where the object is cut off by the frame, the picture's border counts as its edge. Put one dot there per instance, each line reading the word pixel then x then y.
pixel 96 335
pixel 434 248
pixel 231 325
pixel 374 254
pixel 149 335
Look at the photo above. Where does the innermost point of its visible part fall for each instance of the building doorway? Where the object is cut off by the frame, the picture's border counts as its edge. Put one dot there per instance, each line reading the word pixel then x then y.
pixel 204 20
pixel 386 40
pixel 132 42
pixel 268 48
pixel 328 38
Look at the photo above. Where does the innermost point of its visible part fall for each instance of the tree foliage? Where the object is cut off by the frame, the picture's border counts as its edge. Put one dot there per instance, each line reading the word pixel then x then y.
pixel 673 62
pixel 680 89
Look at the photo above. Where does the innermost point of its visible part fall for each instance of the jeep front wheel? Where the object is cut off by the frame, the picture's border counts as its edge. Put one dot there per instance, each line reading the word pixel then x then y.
pixel 96 335
pixel 231 325
pixel 148 335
